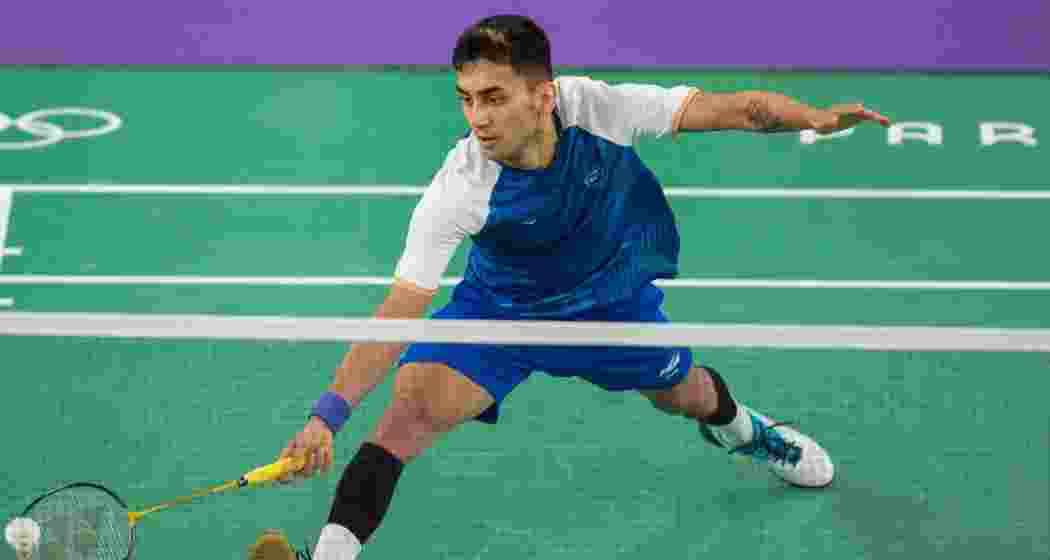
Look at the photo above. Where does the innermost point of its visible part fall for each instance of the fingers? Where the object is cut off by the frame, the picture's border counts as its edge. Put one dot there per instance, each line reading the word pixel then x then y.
pixel 308 446
pixel 862 113
pixel 289 450
pixel 326 458
pixel 314 448
pixel 856 112
pixel 879 118
pixel 322 438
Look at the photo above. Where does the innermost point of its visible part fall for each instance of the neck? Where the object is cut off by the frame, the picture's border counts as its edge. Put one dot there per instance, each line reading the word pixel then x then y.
pixel 539 153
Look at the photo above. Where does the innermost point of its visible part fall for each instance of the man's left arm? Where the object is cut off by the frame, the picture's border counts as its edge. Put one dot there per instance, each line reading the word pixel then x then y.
pixel 768 112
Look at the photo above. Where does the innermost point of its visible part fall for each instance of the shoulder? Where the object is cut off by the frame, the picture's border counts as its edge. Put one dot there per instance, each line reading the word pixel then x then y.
pixel 458 194
pixel 579 95
pixel 591 105
pixel 620 112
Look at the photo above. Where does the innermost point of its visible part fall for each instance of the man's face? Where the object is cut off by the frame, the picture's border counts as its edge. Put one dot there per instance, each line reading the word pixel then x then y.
pixel 502 110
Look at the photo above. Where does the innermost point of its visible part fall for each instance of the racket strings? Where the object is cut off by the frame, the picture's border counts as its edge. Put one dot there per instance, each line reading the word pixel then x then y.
pixel 82 523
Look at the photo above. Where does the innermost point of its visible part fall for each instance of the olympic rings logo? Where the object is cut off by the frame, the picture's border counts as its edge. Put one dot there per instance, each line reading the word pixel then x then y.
pixel 49 133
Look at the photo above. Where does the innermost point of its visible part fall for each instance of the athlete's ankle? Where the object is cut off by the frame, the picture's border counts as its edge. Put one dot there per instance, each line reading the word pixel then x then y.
pixel 725 407
pixel 336 543
pixel 739 431
pixel 730 422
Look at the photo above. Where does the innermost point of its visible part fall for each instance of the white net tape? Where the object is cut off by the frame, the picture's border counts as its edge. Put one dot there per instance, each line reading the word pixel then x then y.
pixel 556 333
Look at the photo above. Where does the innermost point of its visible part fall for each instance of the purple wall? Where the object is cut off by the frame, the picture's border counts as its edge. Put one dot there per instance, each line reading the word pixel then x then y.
pixel 895 34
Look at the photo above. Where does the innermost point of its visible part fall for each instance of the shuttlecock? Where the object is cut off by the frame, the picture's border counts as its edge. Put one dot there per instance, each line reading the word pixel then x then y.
pixel 23 534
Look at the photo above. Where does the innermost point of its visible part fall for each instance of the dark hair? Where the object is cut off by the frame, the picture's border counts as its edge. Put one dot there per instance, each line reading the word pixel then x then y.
pixel 506 39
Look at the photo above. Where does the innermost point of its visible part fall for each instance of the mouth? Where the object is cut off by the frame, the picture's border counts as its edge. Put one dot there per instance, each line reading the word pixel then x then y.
pixel 487 140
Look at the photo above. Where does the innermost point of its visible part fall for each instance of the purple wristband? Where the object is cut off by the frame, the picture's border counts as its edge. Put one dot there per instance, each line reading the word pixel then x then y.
pixel 333 409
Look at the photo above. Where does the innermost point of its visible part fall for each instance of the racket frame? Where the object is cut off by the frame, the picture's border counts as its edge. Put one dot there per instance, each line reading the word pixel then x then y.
pixel 131 527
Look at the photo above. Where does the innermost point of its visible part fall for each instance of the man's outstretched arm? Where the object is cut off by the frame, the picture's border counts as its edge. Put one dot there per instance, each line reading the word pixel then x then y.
pixel 767 112
pixel 363 368
pixel 365 365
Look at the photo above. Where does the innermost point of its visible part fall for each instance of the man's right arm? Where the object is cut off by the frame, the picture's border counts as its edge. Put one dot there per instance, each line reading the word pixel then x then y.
pixel 363 368
pixel 366 365
pixel 434 231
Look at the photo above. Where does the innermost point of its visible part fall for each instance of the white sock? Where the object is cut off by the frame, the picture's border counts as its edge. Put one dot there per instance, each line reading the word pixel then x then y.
pixel 738 432
pixel 336 543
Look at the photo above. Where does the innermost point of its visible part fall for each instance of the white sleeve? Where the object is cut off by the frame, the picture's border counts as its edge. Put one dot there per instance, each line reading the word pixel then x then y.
pixel 623 113
pixel 434 232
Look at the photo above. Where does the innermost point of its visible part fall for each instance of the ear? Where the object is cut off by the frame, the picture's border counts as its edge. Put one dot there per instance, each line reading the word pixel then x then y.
pixel 546 93
pixel 551 93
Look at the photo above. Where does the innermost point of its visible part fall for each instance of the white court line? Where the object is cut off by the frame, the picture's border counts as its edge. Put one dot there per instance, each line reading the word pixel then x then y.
pixel 885 194
pixel 44 279
pixel 6 195
pixel 336 190
pixel 415 190
pixel 342 330
pixel 11 252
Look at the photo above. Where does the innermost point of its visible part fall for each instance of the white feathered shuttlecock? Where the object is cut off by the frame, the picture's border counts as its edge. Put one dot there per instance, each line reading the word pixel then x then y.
pixel 23 534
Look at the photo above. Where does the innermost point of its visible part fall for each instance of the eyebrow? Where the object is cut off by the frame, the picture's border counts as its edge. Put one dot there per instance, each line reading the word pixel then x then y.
pixel 486 91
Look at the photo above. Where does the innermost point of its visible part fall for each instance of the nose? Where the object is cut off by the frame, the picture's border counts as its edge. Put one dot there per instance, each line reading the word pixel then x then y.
pixel 479 116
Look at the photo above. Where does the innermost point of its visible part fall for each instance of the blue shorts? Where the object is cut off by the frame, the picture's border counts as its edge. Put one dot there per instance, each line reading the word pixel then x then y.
pixel 498 369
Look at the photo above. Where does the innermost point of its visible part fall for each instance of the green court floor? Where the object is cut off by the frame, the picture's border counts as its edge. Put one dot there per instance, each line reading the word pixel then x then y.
pixel 939 454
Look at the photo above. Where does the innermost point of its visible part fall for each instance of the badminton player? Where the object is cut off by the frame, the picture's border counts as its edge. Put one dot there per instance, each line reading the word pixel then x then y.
pixel 566 223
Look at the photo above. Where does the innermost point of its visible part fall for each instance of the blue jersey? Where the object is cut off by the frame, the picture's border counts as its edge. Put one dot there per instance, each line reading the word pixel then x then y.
pixel 587 231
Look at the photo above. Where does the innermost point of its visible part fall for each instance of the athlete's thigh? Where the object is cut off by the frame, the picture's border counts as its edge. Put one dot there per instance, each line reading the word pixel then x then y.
pixel 694 396
pixel 429 400
pixel 495 369
pixel 438 395
pixel 621 368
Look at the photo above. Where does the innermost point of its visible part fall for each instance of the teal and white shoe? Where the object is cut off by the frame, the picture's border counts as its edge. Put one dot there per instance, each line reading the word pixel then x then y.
pixel 790 454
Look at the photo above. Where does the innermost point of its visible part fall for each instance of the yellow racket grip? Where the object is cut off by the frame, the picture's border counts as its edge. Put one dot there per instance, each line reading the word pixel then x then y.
pixel 274 471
